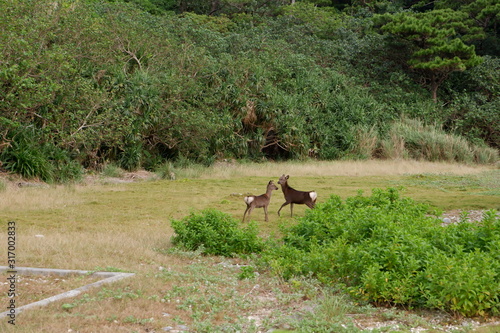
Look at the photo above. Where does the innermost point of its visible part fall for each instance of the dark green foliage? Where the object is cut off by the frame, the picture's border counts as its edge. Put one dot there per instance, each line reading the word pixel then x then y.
pixel 486 16
pixel 215 233
pixel 24 152
pixel 438 39
pixel 386 250
pixel 130 158
pixel 134 84
pixel 473 112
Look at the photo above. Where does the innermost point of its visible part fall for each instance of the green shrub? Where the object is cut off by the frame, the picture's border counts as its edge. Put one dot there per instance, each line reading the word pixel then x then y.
pixel 130 158
pixel 28 161
pixel 473 112
pixel 29 156
pixel 215 233
pixel 467 283
pixel 111 170
pixel 386 250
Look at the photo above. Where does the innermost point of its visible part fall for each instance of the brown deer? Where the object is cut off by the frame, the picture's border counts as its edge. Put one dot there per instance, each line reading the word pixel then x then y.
pixel 259 201
pixel 292 196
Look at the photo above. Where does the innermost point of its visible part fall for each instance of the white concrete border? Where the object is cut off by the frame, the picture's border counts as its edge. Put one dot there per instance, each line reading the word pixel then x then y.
pixel 106 277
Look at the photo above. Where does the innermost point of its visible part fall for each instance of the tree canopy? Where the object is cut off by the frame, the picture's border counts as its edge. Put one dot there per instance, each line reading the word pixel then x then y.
pixel 437 41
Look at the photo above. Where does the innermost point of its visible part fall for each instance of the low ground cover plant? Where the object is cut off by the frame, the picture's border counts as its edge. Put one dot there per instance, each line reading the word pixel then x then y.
pixel 213 232
pixel 383 249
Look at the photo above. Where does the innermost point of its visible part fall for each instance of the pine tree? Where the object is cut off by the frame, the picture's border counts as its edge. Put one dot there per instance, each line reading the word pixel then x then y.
pixel 438 38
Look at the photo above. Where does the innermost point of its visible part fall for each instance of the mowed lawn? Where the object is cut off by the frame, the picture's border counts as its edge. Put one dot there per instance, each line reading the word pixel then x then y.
pixel 125 226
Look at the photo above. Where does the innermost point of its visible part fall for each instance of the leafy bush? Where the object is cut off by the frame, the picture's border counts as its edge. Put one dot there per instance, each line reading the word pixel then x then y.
pixel 473 112
pixel 467 283
pixel 386 250
pixel 215 233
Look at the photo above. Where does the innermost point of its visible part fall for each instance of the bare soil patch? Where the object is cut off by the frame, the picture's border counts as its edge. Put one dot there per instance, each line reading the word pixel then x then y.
pixel 455 215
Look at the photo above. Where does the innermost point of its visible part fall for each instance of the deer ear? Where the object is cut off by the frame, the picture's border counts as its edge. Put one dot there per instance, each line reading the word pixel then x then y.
pixel 288 176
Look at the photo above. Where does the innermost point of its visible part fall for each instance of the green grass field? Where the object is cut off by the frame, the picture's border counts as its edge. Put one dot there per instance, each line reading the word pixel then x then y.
pixel 110 225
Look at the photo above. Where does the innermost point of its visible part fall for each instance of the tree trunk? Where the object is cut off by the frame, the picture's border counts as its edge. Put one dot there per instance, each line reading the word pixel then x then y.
pixel 434 89
pixel 436 80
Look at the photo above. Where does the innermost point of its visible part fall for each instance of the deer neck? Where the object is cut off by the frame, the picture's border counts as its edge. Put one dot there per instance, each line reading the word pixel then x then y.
pixel 285 188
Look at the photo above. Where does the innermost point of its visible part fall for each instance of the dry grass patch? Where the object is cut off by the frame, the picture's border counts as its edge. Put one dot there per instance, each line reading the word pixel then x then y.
pixel 15 199
pixel 124 250
pixel 33 288
pixel 340 168
pixel 202 294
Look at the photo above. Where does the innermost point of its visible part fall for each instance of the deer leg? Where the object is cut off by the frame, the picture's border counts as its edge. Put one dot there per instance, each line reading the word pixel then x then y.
pixel 246 210
pixel 250 211
pixel 310 204
pixel 283 205
pixel 291 209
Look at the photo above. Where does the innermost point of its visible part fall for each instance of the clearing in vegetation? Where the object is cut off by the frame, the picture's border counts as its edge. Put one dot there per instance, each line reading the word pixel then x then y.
pixel 126 226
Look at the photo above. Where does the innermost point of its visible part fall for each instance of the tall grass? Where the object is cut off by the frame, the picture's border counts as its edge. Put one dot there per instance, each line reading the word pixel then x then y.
pixel 173 171
pixel 393 147
pixel 485 155
pixel 337 168
pixel 366 142
pixel 112 170
pixel 29 156
pixel 410 138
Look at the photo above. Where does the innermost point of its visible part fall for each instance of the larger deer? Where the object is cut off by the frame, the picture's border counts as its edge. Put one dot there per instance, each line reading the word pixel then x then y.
pixel 292 196
pixel 259 201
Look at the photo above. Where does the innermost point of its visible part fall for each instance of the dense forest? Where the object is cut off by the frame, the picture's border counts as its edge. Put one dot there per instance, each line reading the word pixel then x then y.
pixel 141 83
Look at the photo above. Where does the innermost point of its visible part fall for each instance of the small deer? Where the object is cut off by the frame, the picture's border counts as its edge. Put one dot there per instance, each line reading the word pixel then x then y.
pixel 259 201
pixel 292 196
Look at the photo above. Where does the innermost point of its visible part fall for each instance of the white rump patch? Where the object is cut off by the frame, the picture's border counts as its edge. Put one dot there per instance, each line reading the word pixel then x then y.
pixel 249 200
pixel 313 195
